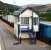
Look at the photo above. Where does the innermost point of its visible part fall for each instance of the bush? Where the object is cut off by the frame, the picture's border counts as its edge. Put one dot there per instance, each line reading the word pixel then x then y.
pixel 46 16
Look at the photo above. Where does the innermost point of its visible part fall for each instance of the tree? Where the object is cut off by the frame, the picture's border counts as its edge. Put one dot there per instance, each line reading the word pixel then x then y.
pixel 46 16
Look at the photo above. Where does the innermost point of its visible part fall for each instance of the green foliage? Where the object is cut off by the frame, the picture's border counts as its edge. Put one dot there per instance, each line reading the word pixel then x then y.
pixel 49 10
pixel 6 9
pixel 46 16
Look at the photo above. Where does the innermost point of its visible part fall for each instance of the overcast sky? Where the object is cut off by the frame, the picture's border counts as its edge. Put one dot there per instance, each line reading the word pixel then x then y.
pixel 24 2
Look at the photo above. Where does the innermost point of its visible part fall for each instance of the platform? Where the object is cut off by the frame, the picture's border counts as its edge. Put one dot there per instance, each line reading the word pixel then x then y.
pixel 8 40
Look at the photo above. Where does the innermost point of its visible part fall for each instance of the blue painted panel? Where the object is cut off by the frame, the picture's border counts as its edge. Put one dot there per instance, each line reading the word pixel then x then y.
pixel 45 30
pixel 48 31
pixel 24 29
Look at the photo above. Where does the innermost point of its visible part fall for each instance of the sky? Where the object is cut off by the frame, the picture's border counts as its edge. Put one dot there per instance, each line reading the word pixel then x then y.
pixel 25 2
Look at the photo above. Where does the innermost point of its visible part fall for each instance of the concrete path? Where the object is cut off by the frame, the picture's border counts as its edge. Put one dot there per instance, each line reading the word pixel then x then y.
pixel 7 41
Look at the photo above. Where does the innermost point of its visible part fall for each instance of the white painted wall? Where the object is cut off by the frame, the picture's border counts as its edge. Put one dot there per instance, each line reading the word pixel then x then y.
pixel 5 17
pixel 11 18
pixel 27 13
pixel 16 29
